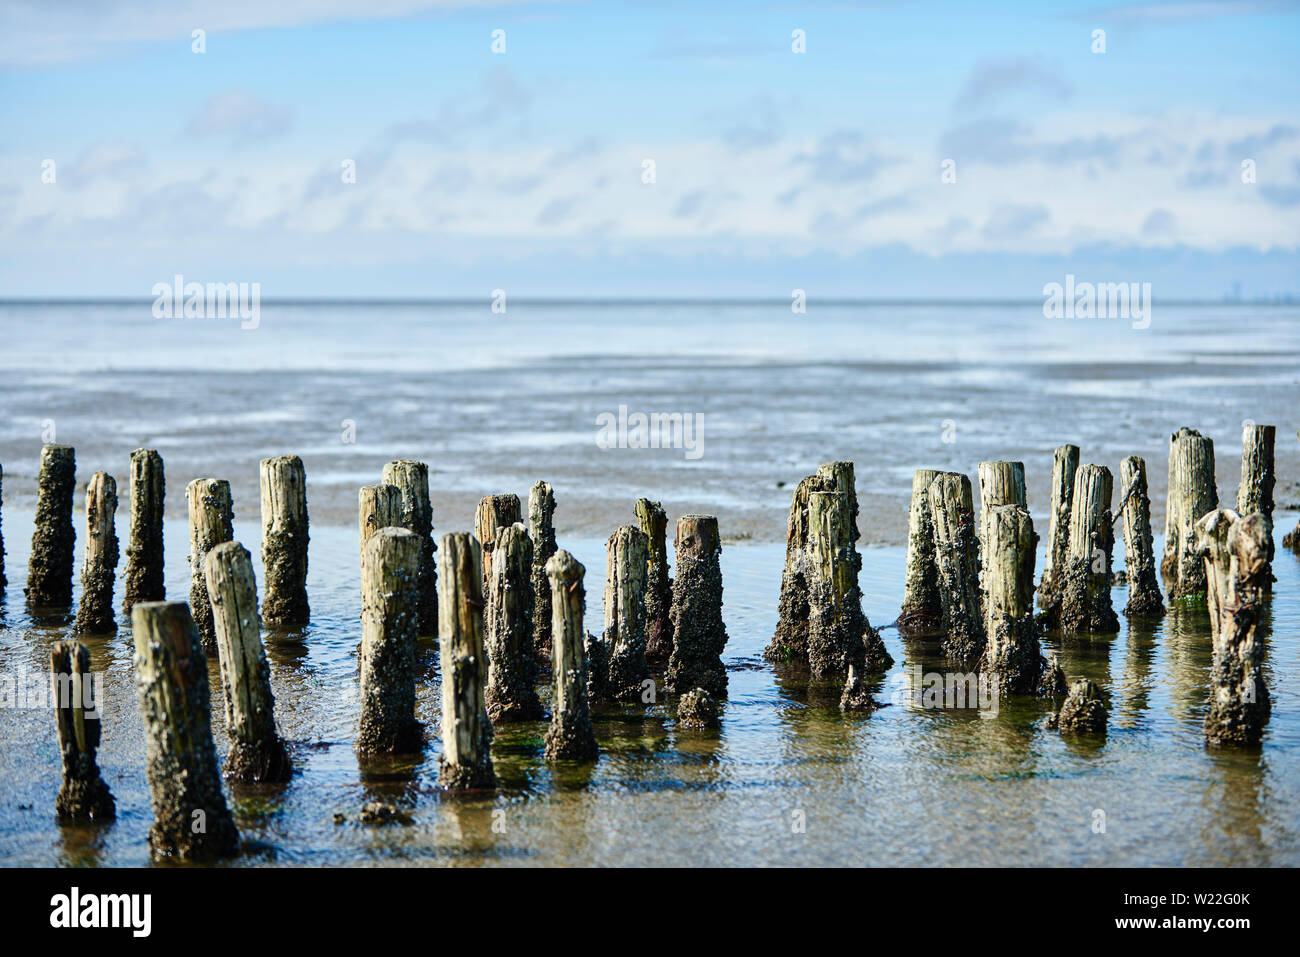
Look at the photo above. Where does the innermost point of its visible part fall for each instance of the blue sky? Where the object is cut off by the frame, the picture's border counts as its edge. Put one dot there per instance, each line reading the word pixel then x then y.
pixel 523 170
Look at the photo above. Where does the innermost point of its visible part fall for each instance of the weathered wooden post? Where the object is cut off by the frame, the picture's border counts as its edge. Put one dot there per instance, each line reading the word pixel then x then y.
pixel 541 529
pixel 1085 590
pixel 412 478
pixel 390 617
pixel 378 506
pixel 284 541
pixel 653 521
pixel 494 511
pixel 1012 654
pixel 699 635
pixel 1144 598
pixel 921 604
pixel 99 565
pixel 1255 494
pixel 1001 483
pixel 49 570
pixel 83 796
pixel 790 643
pixel 1192 494
pixel 1235 550
pixel 1292 539
pixel 627 561
pixel 1065 462
pixel 956 555
pixel 3 581
pixel 191 819
pixel 466 760
pixel 1083 711
pixel 697 710
pixel 212 517
pixel 256 752
pixel 512 663
pixel 144 550
pixel 570 734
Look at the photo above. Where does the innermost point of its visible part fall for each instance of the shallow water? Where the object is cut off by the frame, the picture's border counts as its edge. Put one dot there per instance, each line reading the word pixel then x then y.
pixel 901 786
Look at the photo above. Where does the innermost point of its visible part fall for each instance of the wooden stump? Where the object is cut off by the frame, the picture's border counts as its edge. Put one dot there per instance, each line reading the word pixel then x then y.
pixel 512 664
pixel 390 609
pixel 83 795
pixel 1235 551
pixel 1292 539
pixel 3 581
pixel 541 529
pixel 1192 494
pixel 212 517
pixel 1065 463
pixel 699 635
pixel 570 735
pixel 697 711
pixel 1085 590
pixel 412 478
pixel 658 585
pixel 1012 655
pixel 144 551
pixel 1144 598
pixel 1255 494
pixel 1001 483
pixel 956 553
pixel 466 760
pixel 99 565
pixel 284 542
pixel 922 608
pixel 626 564
pixel 1083 711
pixel 256 752
pixel 378 506
pixel 49 570
pixel 191 819
pixel 494 511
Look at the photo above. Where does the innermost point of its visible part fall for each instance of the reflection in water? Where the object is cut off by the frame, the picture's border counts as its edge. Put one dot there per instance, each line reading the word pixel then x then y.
pixel 1189 653
pixel 83 845
pixel 1134 690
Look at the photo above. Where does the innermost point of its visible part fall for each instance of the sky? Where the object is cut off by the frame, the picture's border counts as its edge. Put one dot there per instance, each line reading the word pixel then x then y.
pixel 603 150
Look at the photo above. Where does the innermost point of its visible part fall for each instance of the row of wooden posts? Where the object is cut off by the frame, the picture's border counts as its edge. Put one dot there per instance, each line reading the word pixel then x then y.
pixel 511 602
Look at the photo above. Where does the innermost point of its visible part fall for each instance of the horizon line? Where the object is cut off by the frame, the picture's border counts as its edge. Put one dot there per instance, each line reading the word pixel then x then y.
pixel 1279 299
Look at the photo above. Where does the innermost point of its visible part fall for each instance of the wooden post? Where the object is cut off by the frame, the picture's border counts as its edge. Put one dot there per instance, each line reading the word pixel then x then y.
pixel 1083 711
pixel 1255 494
pixel 412 478
pixel 390 582
pixel 1292 539
pixel 99 565
pixel 921 605
pixel 284 541
pixel 570 734
pixel 1012 654
pixel 626 563
pixel 512 663
pixel 1085 589
pixel 191 819
pixel 1144 598
pixel 653 521
pixel 790 644
pixel 378 506
pixel 541 529
pixel 697 710
pixel 1001 483
pixel 956 554
pixel 1235 550
pixel 1065 463
pixel 212 517
pixel 144 551
pixel 256 752
pixel 3 581
pixel 83 796
pixel 494 511
pixel 1192 494
pixel 699 635
pixel 49 571
pixel 466 760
